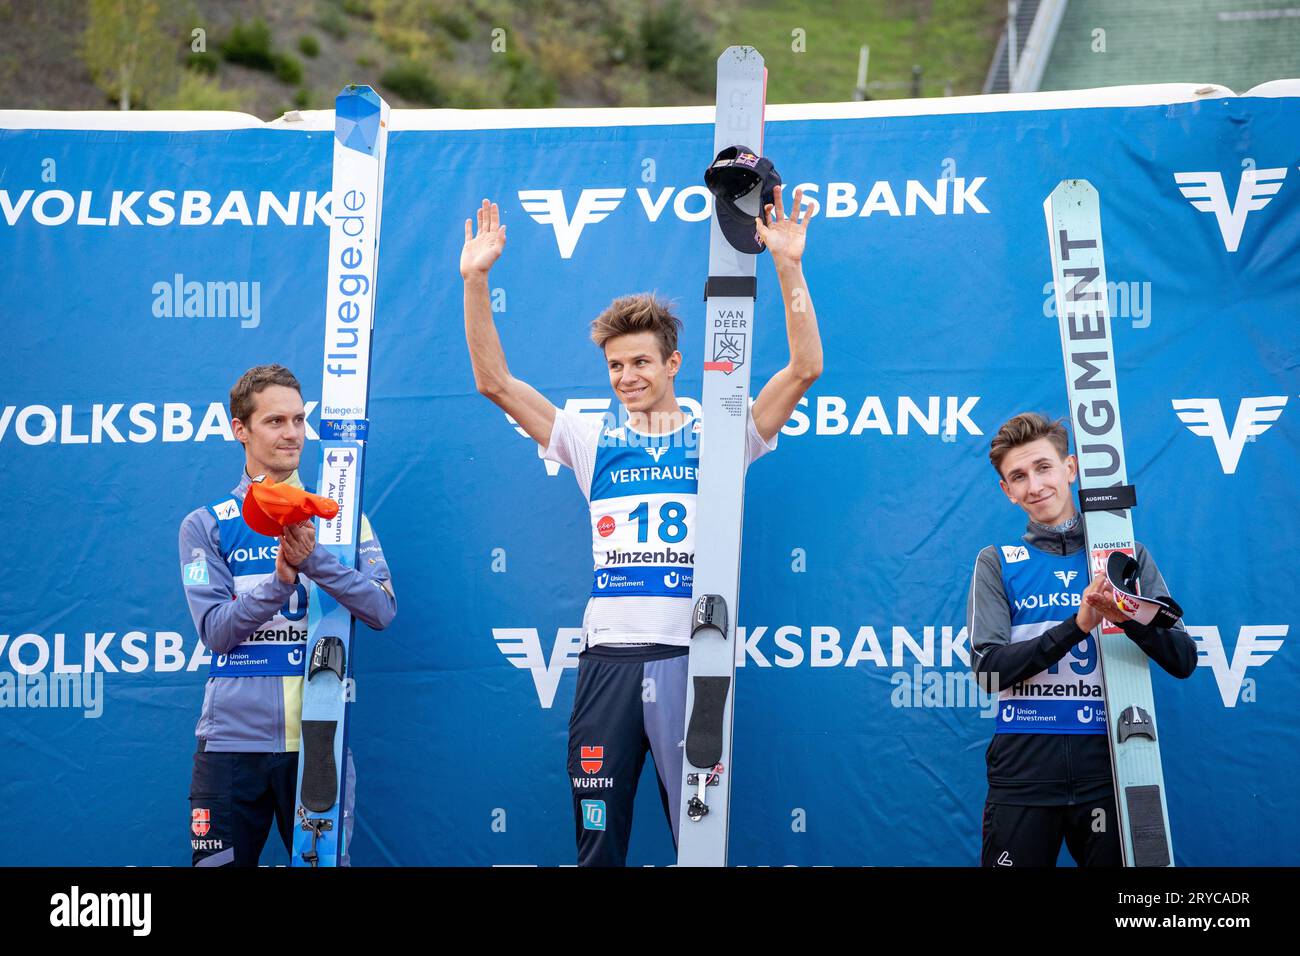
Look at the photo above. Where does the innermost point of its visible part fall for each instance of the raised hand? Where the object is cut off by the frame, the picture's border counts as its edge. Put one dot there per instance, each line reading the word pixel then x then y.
pixel 783 235
pixel 483 249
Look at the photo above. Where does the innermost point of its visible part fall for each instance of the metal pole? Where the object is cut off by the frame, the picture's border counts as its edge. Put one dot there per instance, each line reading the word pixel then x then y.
pixel 860 91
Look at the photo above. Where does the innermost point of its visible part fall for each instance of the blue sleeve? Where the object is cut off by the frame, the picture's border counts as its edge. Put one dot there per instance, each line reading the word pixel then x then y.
pixel 223 620
pixel 367 590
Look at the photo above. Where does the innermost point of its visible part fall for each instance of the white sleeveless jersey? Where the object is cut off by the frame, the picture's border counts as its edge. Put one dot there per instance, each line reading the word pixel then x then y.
pixel 642 492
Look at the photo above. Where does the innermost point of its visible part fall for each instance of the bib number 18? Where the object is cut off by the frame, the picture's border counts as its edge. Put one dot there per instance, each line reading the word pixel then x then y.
pixel 672 522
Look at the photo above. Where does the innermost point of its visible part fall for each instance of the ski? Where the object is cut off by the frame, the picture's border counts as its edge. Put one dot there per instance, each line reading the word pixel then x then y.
pixel 728 341
pixel 1105 497
pixel 356 200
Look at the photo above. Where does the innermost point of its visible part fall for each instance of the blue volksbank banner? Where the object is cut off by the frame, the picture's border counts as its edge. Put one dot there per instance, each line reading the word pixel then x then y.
pixel 147 270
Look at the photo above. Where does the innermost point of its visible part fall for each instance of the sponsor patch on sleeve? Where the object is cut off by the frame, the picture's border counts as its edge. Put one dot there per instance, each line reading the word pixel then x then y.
pixel 195 574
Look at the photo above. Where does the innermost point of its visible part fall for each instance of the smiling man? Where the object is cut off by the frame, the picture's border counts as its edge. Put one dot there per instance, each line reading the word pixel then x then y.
pixel 1030 616
pixel 640 482
pixel 249 605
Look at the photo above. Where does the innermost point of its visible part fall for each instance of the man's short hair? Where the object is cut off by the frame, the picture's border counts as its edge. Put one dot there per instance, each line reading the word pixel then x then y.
pixel 642 312
pixel 255 380
pixel 1023 429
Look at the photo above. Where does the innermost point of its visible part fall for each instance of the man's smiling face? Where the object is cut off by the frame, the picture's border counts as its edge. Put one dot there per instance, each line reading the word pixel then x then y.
pixel 641 378
pixel 1038 479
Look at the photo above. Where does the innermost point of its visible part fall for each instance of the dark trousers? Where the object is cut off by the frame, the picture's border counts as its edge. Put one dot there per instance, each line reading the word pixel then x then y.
pixel 1031 836
pixel 235 797
pixel 629 702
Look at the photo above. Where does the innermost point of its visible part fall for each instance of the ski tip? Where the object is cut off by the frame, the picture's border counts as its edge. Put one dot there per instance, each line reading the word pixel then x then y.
pixel 360 92
pixel 740 53
pixel 359 114
pixel 1073 186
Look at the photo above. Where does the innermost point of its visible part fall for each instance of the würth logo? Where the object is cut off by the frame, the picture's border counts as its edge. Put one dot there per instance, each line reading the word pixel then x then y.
pixel 200 821
pixel 546 206
pixel 1204 416
pixel 1206 192
pixel 593 758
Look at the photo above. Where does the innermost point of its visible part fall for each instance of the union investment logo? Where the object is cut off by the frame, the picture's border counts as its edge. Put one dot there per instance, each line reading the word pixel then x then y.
pixel 546 206
pixel 1207 193
pixel 1204 416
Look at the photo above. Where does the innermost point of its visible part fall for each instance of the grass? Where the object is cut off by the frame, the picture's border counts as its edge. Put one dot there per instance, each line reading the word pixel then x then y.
pixel 950 39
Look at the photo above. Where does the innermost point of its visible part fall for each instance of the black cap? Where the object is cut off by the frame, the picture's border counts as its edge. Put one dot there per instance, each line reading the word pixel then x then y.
pixel 735 173
pixel 1122 574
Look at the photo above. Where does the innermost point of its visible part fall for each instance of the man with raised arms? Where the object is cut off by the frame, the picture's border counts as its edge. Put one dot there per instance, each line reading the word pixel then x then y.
pixel 640 481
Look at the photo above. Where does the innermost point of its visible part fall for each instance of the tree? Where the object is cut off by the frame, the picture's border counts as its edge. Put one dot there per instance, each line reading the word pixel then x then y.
pixel 127 50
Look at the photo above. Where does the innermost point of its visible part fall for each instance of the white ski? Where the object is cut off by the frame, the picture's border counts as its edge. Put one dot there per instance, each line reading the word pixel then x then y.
pixel 1079 276
pixel 729 337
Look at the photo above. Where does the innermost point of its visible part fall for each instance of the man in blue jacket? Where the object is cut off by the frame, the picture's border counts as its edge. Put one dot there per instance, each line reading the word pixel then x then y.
pixel 1030 616
pixel 248 594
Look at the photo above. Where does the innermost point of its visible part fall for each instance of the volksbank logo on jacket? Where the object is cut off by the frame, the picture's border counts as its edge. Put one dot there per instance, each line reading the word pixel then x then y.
pixel 1043 590
pixel 643 513
pixel 276 648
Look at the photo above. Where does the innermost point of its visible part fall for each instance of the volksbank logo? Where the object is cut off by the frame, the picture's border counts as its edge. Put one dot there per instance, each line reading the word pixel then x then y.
pixel 1066 577
pixel 1256 644
pixel 116 423
pixel 546 206
pixel 794 646
pixel 266 552
pixel 942 197
pixel 113 652
pixel 945 417
pixel 1204 416
pixel 523 647
pixel 1034 601
pixel 1255 189
pixel 165 207
pixel 656 451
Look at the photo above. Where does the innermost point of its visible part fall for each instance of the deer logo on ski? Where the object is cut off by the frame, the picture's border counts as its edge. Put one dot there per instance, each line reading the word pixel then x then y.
pixel 728 352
